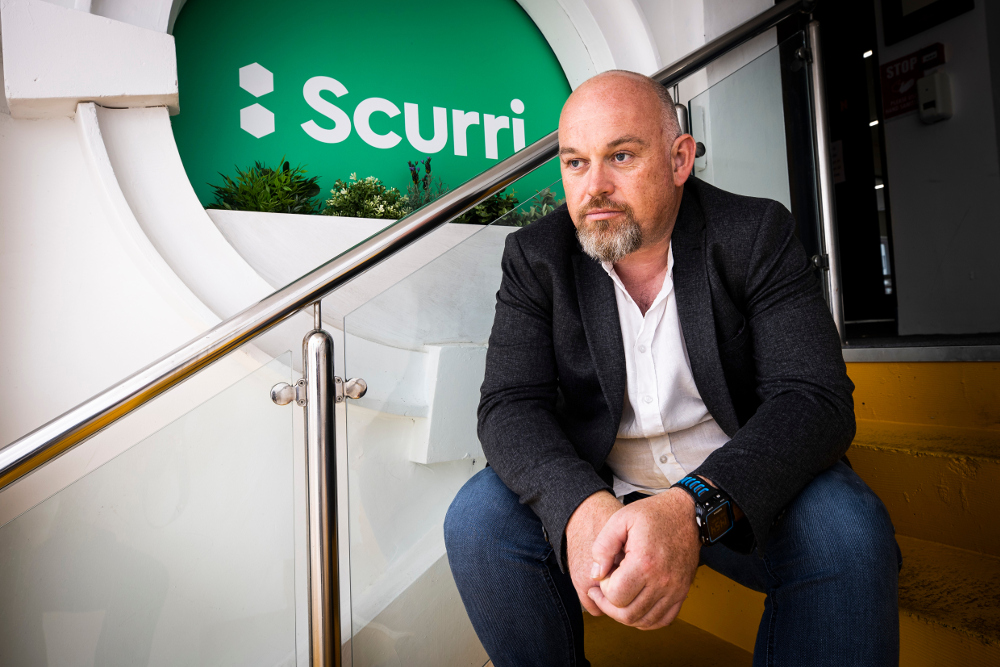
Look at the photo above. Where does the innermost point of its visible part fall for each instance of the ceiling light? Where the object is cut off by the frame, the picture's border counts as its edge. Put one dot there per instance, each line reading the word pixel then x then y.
pixel 868 54
pixel 873 123
pixel 879 186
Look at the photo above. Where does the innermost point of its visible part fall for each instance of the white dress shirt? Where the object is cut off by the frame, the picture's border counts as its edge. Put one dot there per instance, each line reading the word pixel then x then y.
pixel 665 431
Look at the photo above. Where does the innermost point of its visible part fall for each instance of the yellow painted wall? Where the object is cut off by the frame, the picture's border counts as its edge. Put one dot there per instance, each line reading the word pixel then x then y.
pixel 962 394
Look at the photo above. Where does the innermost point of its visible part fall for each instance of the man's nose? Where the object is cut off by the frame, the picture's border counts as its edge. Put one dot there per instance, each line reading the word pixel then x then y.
pixel 599 182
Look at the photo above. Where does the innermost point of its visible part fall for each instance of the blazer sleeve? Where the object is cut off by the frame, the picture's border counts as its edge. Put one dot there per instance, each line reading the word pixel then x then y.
pixel 518 427
pixel 805 422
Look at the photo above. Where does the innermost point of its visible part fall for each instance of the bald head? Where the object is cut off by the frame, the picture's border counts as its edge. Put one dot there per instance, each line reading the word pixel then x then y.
pixel 613 85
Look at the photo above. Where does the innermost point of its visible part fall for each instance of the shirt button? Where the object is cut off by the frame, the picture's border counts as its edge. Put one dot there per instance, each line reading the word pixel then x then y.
pixel 663 458
pixel 648 399
pixel 642 348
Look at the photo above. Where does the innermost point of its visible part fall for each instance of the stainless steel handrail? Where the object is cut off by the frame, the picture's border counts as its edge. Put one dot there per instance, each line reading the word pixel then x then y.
pixel 69 429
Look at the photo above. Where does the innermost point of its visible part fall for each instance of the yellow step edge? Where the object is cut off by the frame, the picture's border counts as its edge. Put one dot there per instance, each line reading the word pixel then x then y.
pixel 929 439
pixel 954 589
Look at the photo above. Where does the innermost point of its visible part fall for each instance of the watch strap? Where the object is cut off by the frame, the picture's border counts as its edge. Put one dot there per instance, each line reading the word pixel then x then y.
pixel 695 486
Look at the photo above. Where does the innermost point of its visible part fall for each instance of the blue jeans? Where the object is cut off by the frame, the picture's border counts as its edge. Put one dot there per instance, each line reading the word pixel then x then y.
pixel 829 570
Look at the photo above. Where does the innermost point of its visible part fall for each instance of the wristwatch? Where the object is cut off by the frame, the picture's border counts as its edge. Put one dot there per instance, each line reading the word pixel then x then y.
pixel 713 510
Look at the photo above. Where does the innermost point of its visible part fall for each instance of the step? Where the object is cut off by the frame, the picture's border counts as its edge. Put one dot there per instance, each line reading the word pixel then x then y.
pixel 611 644
pixel 949 606
pixel 608 643
pixel 939 483
pixel 965 394
pixel 724 608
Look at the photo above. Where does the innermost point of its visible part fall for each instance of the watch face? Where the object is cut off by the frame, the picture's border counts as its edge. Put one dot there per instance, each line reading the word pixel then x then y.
pixel 718 522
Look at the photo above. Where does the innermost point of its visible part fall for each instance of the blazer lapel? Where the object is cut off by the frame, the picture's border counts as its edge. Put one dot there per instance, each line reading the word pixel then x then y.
pixel 599 310
pixel 694 308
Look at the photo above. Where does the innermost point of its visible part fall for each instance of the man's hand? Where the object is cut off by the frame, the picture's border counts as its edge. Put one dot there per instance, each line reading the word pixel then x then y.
pixel 661 548
pixel 583 528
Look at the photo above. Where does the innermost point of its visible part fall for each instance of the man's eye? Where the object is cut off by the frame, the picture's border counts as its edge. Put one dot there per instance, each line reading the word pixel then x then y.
pixel 621 157
pixel 574 163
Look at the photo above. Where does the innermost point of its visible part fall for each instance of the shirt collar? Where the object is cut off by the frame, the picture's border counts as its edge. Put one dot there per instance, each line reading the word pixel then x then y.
pixel 668 280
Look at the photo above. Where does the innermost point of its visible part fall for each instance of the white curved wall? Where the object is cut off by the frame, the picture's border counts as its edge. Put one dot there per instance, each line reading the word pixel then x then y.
pixel 141 148
pixel 80 310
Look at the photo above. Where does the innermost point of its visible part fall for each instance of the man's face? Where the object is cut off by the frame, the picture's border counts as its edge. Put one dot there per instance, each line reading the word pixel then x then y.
pixel 617 167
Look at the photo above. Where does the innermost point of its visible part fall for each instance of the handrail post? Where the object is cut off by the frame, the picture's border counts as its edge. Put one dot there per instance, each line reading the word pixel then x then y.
pixel 827 211
pixel 321 481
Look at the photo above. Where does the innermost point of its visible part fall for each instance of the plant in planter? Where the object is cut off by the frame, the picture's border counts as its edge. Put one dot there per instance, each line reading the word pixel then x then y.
pixel 367 198
pixel 260 188
pixel 424 189
pixel 489 210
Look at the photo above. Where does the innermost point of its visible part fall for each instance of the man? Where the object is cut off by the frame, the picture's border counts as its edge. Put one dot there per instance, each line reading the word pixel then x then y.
pixel 658 328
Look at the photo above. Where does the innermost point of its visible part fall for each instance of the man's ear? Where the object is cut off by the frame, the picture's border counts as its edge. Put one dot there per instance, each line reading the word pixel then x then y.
pixel 682 158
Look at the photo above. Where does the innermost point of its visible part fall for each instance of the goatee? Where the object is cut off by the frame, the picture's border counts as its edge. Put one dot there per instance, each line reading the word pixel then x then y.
pixel 609 240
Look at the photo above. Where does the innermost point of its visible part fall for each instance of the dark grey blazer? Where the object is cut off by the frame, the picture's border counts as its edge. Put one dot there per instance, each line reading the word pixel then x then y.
pixel 763 348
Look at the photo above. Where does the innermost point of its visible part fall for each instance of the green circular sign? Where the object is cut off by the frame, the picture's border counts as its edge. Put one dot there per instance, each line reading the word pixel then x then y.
pixel 362 88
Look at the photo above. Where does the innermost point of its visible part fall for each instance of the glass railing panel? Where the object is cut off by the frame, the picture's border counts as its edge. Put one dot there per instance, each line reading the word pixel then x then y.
pixel 411 441
pixel 517 204
pixel 756 129
pixel 533 208
pixel 180 550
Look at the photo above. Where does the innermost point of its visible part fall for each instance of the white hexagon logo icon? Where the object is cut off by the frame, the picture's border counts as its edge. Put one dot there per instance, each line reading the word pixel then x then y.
pixel 257 120
pixel 256 80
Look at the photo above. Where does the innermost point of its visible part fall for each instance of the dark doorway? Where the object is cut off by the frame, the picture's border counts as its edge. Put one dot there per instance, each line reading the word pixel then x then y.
pixel 850 60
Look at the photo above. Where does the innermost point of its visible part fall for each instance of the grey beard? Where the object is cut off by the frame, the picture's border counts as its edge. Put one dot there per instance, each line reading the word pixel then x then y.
pixel 610 244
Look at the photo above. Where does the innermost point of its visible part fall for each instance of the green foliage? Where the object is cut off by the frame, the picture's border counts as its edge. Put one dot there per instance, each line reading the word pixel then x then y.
pixel 287 190
pixel 367 198
pixel 504 210
pixel 424 189
pixel 489 210
pixel 260 188
pixel 543 203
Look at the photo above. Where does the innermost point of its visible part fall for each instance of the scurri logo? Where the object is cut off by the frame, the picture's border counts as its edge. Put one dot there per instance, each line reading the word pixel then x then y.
pixel 259 121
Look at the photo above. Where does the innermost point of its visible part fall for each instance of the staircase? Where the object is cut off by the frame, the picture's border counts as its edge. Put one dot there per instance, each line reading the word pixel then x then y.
pixel 928 443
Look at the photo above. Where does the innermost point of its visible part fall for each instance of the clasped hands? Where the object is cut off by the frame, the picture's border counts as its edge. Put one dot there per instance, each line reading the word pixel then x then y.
pixel 634 563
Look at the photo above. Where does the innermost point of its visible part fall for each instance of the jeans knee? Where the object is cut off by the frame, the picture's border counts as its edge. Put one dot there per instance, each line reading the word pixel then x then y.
pixel 487 524
pixel 869 545
pixel 845 528
pixel 472 517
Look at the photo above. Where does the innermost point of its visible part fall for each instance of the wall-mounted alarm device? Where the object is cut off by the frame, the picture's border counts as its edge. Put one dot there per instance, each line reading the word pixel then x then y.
pixel 934 97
